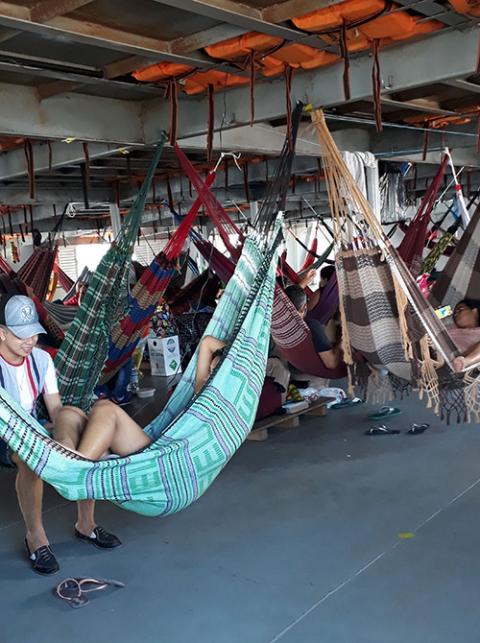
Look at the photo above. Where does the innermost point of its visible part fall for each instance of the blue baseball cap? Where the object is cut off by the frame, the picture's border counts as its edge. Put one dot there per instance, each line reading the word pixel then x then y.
pixel 19 315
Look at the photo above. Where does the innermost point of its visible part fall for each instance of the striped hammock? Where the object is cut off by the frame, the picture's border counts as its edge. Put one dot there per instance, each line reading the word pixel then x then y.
pixel 195 435
pixel 144 297
pixel 84 350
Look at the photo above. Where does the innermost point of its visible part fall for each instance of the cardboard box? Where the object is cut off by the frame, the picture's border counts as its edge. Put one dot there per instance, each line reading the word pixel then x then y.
pixel 164 356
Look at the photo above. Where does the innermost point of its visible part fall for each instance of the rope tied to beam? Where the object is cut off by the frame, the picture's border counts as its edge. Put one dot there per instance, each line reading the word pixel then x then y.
pixel 211 121
pixel 252 86
pixel 346 60
pixel 377 84
pixel 28 149
pixel 288 98
pixel 172 95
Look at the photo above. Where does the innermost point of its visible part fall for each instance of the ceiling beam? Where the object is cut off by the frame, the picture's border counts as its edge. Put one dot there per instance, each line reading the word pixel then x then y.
pixel 79 79
pixel 323 86
pixel 464 85
pixel 417 106
pixel 12 164
pixel 45 10
pixel 88 118
pixel 248 18
pixel 64 28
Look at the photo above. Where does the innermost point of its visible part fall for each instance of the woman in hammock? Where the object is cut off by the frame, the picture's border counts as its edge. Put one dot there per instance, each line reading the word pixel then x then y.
pixel 466 335
pixel 109 428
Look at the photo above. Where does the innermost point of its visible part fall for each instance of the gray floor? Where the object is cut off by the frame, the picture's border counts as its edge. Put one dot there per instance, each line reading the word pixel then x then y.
pixel 297 541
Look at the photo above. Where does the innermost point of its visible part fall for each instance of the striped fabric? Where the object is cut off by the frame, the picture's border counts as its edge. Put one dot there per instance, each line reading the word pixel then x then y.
pixel 145 295
pixel 38 268
pixel 368 298
pixel 82 354
pixel 63 315
pixel 195 436
pixel 461 276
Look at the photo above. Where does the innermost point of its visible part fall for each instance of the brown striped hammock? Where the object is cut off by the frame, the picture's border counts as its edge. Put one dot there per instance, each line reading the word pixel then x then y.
pixel 385 317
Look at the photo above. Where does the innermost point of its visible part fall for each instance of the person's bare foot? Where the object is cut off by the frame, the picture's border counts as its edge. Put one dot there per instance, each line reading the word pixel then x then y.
pixel 458 364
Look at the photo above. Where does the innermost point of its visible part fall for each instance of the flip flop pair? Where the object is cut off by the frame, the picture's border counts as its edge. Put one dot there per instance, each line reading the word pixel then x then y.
pixel 416 429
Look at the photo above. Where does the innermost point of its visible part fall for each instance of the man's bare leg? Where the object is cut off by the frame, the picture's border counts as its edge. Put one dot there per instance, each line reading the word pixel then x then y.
pixel 29 489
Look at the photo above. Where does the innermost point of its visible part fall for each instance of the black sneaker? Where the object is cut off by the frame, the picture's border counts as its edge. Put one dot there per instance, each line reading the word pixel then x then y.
pixel 42 560
pixel 100 538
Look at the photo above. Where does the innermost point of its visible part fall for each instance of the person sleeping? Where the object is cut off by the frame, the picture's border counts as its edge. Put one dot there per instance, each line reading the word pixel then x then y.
pixel 330 354
pixel 466 333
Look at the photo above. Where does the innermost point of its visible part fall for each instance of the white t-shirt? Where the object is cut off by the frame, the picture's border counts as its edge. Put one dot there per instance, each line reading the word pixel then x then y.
pixel 23 373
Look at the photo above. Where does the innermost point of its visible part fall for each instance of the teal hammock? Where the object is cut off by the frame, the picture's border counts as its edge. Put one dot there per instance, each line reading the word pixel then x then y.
pixel 195 435
pixel 83 352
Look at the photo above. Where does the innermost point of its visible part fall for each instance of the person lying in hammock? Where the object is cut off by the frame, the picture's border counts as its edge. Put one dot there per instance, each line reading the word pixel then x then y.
pixel 331 355
pixel 109 429
pixel 466 335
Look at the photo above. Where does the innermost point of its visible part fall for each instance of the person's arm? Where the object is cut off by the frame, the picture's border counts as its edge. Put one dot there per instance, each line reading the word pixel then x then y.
pixel 208 346
pixel 332 357
pixel 53 403
pixel 470 358
pixel 306 278
pixel 51 396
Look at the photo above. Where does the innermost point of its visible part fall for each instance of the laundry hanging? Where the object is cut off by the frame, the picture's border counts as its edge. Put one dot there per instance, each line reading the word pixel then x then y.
pixel 82 355
pixel 195 435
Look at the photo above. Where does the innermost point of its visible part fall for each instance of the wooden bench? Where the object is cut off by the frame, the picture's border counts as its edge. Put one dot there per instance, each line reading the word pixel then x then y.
pixel 259 433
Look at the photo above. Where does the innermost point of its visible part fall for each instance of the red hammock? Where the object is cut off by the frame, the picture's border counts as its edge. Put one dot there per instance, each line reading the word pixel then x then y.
pixel 38 268
pixel 214 209
pixel 290 333
pixel 146 293
pixel 310 254
pixel 415 239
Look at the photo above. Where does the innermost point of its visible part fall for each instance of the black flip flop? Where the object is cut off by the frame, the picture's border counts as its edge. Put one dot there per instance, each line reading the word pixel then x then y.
pixel 417 429
pixel 381 430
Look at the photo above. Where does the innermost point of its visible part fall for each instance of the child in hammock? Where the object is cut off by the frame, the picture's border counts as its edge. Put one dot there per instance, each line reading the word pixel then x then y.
pixel 466 335
pixel 109 428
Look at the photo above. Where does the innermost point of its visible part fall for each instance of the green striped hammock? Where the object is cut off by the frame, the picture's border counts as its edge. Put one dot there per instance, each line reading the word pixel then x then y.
pixel 194 436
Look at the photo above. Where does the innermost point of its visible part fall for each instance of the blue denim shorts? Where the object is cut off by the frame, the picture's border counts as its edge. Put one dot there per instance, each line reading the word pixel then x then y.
pixel 5 455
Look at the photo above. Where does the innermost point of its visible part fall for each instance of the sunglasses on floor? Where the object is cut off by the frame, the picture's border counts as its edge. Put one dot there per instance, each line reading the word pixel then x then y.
pixel 74 590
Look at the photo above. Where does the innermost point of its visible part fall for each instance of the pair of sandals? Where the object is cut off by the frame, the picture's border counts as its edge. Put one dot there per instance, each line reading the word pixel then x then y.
pixel 74 590
pixel 416 429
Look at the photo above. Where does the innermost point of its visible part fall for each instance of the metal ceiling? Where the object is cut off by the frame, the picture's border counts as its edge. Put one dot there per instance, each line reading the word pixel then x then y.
pixel 65 72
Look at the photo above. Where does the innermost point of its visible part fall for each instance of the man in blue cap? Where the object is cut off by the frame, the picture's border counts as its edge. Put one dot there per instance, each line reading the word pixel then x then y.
pixel 26 373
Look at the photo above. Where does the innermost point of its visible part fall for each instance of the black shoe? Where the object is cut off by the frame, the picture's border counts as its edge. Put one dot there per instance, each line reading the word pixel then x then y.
pixel 100 538
pixel 42 560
